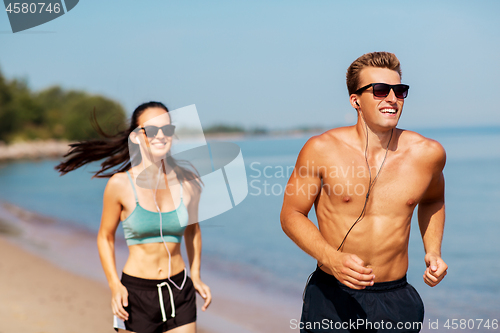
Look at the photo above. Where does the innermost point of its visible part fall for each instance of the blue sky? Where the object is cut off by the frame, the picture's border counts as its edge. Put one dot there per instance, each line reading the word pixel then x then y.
pixel 275 64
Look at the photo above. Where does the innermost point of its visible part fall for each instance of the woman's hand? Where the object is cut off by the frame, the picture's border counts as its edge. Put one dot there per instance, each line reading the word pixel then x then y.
pixel 119 300
pixel 204 292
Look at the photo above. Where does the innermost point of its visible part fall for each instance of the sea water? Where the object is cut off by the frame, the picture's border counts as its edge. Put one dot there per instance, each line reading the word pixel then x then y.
pixel 248 243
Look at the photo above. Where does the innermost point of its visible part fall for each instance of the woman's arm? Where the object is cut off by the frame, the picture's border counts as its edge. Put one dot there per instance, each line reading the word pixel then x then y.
pixel 192 235
pixel 110 219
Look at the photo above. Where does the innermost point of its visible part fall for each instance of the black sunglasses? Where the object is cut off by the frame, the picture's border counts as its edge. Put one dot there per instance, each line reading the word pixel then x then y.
pixel 383 89
pixel 152 131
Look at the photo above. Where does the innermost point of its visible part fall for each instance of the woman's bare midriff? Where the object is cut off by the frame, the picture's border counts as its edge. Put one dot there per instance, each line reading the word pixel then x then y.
pixel 150 261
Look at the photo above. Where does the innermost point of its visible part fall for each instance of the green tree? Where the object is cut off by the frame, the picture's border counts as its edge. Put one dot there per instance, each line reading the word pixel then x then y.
pixel 222 128
pixel 54 113
pixel 27 115
pixel 77 115
pixel 6 112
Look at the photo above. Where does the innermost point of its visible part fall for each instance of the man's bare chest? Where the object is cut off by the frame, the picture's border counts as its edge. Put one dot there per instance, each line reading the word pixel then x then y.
pixel 398 183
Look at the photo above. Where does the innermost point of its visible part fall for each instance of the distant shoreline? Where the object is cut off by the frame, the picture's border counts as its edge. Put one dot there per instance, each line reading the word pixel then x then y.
pixel 33 150
pixel 52 148
pixel 46 149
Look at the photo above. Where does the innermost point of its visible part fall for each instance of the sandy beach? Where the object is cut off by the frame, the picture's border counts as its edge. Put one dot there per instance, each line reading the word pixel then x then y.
pixel 39 297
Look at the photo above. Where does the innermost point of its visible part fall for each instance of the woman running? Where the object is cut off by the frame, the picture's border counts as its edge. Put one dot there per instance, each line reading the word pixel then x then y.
pixel 154 293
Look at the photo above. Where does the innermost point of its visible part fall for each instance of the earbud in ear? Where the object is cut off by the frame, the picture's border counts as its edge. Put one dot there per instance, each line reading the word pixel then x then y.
pixel 356 103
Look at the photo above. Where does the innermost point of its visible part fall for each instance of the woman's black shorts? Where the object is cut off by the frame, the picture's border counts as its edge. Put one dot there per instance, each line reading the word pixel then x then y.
pixel 144 308
pixel 330 306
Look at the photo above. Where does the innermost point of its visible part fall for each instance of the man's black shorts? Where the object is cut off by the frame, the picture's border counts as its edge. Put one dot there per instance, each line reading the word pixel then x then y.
pixel 330 306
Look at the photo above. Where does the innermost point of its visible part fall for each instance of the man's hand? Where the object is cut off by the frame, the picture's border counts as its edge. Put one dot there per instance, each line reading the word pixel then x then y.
pixel 436 269
pixel 350 270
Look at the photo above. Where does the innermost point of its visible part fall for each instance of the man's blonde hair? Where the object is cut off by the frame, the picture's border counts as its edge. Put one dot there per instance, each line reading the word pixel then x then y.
pixel 374 59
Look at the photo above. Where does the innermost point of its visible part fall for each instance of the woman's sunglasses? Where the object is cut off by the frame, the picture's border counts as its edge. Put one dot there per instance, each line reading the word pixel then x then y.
pixel 383 89
pixel 152 131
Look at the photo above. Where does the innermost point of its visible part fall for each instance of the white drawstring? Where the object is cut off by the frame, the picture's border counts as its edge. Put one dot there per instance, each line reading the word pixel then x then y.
pixel 162 307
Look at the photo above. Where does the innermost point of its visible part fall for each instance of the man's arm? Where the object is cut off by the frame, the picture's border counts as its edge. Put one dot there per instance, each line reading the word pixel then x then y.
pixel 301 191
pixel 431 216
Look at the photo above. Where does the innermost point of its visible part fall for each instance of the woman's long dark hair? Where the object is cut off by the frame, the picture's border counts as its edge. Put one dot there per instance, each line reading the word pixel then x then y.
pixel 114 149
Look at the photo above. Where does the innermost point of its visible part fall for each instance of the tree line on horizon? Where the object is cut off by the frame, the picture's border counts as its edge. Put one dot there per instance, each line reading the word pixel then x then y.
pixel 54 113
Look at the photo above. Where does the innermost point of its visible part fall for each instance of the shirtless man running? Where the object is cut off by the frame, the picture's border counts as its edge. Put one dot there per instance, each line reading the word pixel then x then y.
pixel 365 182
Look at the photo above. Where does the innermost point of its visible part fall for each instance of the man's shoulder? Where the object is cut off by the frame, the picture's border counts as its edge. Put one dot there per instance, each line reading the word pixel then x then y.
pixel 328 139
pixel 423 147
